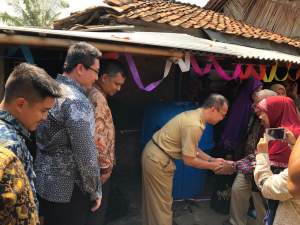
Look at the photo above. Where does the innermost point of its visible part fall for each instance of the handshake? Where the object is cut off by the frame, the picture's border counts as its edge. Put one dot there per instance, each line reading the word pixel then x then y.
pixel 219 166
pixel 222 167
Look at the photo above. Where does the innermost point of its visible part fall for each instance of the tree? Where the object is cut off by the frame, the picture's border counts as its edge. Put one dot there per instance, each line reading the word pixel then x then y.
pixel 33 13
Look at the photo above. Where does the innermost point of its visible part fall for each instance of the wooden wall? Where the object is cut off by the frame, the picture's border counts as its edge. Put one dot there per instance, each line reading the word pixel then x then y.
pixel 278 16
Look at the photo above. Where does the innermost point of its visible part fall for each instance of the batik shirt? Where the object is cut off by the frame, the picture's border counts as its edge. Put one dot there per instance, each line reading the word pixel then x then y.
pixel 66 151
pixel 17 205
pixel 245 165
pixel 13 135
pixel 105 130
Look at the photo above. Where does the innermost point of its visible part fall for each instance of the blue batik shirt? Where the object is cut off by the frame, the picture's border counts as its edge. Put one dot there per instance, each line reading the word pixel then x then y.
pixel 13 135
pixel 66 152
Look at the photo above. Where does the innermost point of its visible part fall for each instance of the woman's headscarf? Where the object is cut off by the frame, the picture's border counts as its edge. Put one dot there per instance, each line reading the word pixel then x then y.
pixel 281 112
pixel 239 115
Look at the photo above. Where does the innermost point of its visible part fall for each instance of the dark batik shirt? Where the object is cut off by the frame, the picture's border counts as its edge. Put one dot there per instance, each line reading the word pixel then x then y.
pixel 13 135
pixel 66 152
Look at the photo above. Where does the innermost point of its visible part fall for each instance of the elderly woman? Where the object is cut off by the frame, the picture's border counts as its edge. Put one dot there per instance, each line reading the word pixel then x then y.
pixel 274 186
pixel 273 155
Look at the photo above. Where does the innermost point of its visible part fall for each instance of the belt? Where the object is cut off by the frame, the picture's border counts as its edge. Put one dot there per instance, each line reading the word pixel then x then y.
pixel 154 142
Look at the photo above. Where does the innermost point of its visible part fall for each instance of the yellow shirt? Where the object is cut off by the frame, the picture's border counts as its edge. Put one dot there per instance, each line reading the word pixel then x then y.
pixel 181 135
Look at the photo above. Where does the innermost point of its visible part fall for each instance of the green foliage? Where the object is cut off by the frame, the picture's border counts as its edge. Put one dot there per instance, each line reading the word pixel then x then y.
pixel 33 13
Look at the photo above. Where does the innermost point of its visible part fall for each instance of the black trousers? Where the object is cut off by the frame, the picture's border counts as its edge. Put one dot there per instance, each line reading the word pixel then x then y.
pixel 72 213
pixel 99 216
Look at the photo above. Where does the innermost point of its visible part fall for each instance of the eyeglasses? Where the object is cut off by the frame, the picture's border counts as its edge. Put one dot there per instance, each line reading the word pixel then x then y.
pixel 92 69
pixel 222 113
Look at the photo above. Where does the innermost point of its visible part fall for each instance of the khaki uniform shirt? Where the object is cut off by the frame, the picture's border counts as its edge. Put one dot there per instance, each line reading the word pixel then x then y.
pixel 181 135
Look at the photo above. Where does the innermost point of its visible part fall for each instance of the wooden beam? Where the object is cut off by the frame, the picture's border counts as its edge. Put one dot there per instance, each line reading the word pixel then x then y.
pixel 94 28
pixel 65 43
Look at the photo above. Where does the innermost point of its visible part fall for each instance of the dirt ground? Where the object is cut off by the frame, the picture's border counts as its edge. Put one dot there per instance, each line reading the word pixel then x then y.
pixel 186 212
pixel 125 207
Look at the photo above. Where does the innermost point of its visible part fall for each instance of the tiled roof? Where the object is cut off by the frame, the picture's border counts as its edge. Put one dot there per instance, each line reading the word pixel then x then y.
pixel 192 16
pixel 176 14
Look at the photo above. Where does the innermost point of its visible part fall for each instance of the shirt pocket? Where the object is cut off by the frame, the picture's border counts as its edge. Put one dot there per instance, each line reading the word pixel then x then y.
pixel 170 167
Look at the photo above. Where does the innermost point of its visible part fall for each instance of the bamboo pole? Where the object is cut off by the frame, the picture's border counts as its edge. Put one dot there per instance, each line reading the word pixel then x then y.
pixel 9 39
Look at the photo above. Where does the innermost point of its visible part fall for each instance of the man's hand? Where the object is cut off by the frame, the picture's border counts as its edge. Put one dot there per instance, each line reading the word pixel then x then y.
pixel 227 168
pixel 216 166
pixel 262 146
pixel 96 205
pixel 221 160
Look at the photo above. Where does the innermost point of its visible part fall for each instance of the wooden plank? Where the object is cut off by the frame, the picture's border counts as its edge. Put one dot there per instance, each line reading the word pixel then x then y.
pixel 65 43
pixel 106 28
pixel 278 16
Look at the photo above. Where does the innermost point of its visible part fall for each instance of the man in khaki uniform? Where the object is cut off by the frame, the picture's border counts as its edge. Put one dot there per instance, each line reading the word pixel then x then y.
pixel 178 139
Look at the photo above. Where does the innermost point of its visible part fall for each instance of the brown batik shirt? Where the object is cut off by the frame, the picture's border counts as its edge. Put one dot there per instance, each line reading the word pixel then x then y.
pixel 104 129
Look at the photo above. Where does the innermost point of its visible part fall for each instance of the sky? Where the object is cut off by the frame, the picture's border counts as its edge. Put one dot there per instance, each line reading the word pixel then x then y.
pixel 78 5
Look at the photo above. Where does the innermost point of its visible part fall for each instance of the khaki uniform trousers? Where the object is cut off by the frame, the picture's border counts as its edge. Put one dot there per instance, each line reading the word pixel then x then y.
pixel 240 195
pixel 158 171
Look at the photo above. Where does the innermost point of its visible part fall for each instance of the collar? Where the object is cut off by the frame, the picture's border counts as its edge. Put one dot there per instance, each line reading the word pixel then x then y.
pixel 11 120
pixel 99 88
pixel 71 82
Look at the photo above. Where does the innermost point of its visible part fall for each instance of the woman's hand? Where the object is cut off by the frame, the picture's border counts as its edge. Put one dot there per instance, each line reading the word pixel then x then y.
pixel 262 146
pixel 290 137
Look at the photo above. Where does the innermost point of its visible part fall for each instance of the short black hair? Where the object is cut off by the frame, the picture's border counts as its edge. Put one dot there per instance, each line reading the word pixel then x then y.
pixel 30 82
pixel 81 53
pixel 112 67
pixel 215 100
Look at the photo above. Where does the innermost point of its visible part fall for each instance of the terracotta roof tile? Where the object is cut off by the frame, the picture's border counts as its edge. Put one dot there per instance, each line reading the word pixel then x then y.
pixel 196 17
pixel 190 16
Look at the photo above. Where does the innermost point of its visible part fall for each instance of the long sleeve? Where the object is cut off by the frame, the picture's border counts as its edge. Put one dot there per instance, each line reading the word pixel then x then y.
pixel 272 186
pixel 104 129
pixel 19 206
pixel 16 143
pixel 80 130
